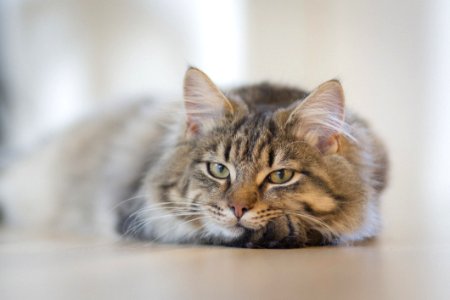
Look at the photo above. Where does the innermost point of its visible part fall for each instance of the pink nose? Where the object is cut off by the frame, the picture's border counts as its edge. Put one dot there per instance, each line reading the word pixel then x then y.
pixel 239 210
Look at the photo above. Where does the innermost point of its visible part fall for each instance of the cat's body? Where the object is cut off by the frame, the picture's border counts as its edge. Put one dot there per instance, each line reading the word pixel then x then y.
pixel 259 168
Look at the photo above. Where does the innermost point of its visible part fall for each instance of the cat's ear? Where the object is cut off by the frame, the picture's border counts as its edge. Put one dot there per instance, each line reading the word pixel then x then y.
pixel 205 104
pixel 319 119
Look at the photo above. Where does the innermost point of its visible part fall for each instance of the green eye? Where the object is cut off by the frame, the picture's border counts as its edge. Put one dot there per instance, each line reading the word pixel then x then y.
pixel 280 176
pixel 218 170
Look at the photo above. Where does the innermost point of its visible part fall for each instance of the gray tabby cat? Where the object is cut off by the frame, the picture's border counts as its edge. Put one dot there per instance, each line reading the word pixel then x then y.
pixel 259 166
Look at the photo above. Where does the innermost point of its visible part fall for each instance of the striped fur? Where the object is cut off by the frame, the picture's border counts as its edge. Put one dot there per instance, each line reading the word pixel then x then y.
pixel 155 177
pixel 332 197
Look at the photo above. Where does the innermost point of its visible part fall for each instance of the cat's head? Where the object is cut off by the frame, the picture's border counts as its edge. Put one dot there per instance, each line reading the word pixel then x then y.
pixel 274 177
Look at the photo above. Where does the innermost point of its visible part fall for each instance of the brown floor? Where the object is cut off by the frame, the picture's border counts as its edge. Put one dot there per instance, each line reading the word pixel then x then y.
pixel 398 265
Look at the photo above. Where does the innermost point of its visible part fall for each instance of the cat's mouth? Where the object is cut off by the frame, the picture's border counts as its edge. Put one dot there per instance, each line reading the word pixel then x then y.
pixel 241 232
pixel 238 228
pixel 240 225
pixel 241 228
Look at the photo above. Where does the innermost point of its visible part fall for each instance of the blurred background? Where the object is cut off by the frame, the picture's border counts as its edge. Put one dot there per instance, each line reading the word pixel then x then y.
pixel 60 59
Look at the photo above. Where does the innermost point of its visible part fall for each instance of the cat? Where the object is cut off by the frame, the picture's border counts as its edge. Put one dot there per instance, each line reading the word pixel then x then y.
pixel 264 166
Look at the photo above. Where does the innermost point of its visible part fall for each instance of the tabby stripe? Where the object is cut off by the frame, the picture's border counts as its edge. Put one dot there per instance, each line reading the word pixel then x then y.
pixel 244 149
pixel 272 127
pixel 254 138
pixel 226 152
pixel 237 147
pixel 185 187
pixel 227 185
pixel 195 201
pixel 271 157
pixel 197 162
pixel 268 232
pixel 269 139
pixel 251 146
pixel 163 198
pixel 321 183
pixel 206 182
pixel 238 125
pixel 259 149
pixel 166 186
pixel 290 226
pixel 308 208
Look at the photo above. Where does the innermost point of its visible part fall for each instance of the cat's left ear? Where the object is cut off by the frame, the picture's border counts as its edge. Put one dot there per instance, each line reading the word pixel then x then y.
pixel 204 102
pixel 319 119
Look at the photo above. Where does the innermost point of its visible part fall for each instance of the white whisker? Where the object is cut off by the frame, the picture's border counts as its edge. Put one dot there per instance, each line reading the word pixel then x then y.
pixel 314 220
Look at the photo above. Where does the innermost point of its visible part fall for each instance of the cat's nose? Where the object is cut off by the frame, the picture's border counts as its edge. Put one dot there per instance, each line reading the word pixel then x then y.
pixel 239 209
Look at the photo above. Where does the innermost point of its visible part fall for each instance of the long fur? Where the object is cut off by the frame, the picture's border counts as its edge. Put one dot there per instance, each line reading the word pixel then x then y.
pixel 142 171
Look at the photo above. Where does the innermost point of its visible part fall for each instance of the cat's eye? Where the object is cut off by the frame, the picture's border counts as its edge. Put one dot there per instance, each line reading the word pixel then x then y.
pixel 218 171
pixel 280 176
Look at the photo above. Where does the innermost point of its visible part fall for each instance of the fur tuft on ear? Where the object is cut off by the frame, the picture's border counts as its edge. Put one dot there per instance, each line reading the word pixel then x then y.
pixel 319 119
pixel 205 104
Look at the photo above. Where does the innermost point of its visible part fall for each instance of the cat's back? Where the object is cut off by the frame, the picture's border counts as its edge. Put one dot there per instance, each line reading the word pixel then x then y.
pixel 100 157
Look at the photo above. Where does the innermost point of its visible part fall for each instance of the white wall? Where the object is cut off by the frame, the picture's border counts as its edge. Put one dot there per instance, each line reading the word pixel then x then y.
pixel 66 56
pixel 437 106
pixel 379 50
pixel 435 163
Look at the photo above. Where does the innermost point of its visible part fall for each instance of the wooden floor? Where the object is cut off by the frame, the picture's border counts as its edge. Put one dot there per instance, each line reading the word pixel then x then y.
pixel 406 262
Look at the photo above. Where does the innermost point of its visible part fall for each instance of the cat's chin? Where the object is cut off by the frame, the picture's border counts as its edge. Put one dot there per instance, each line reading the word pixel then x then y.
pixel 227 234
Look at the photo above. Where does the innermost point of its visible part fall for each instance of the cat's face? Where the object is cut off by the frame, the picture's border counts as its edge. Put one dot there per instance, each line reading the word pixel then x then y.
pixel 272 178
pixel 254 179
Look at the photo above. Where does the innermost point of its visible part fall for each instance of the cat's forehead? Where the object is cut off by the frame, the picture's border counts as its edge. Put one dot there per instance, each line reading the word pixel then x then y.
pixel 253 142
pixel 252 125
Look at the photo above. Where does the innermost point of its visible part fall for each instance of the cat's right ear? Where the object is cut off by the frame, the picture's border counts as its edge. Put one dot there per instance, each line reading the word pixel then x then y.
pixel 204 102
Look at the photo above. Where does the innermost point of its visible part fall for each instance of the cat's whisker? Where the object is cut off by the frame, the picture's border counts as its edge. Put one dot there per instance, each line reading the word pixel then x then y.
pixel 201 232
pixel 169 214
pixel 163 234
pixel 144 220
pixel 169 206
pixel 166 210
pixel 312 219
pixel 186 199
pixel 195 219
pixel 120 203
pixel 180 202
pixel 163 204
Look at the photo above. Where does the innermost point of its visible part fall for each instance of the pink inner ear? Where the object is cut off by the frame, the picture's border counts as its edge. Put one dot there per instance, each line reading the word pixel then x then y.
pixel 319 119
pixel 205 104
pixel 329 145
pixel 192 128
